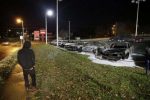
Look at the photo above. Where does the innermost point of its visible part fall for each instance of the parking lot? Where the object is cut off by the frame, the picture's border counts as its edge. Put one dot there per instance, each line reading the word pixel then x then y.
pixel 136 58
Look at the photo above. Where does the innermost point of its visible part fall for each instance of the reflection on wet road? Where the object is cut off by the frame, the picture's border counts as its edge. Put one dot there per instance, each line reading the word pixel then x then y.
pixel 7 50
pixel 14 87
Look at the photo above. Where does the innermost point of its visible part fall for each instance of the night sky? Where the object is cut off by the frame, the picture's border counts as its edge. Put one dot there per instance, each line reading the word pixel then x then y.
pixel 83 14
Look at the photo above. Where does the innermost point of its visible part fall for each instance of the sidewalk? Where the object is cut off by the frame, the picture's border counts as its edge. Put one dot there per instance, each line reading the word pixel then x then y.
pixel 14 87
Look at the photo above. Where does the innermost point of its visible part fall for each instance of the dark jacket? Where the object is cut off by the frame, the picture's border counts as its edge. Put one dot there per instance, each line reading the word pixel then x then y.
pixel 26 57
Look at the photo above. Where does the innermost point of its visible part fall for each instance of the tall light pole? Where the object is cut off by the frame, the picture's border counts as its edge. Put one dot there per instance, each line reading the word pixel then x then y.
pixel 19 20
pixel 48 13
pixel 137 16
pixel 57 20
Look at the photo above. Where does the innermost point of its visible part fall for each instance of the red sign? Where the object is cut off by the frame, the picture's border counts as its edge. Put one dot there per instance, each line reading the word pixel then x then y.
pixel 42 31
pixel 36 35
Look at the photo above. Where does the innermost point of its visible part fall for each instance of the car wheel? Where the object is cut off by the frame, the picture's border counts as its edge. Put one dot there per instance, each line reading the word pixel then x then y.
pixel 123 56
pixel 127 55
pixel 80 49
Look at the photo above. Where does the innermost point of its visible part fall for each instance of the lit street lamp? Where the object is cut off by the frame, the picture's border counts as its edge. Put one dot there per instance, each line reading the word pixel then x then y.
pixel 57 20
pixel 48 13
pixel 138 5
pixel 19 20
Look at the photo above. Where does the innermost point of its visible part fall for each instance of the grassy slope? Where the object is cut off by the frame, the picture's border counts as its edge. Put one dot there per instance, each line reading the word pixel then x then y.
pixel 64 75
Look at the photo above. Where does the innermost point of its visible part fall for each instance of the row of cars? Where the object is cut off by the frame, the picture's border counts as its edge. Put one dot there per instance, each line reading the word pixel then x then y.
pixel 102 49
pixel 80 46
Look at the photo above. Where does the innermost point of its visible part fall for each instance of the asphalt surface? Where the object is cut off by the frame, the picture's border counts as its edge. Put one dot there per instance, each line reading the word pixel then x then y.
pixel 8 50
pixel 14 86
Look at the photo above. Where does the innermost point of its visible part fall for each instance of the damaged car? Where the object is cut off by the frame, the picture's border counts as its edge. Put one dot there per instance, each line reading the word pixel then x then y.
pixel 117 51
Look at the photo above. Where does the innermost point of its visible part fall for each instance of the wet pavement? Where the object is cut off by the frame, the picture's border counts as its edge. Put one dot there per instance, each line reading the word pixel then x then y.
pixel 7 50
pixel 14 87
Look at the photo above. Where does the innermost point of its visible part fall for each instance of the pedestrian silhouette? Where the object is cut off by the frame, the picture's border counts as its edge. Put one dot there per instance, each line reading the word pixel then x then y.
pixel 26 59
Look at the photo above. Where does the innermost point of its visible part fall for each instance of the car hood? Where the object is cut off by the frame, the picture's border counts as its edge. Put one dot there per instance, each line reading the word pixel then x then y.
pixel 114 50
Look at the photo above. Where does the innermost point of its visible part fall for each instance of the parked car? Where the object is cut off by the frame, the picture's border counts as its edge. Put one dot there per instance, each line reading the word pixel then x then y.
pixel 117 51
pixel 138 39
pixel 60 42
pixel 101 47
pixel 95 47
pixel 5 42
pixel 80 45
pixel 90 47
pixel 70 46
pixel 74 46
pixel 121 38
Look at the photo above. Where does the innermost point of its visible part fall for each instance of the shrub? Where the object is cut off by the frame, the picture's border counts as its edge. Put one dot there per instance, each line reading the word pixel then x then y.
pixel 6 66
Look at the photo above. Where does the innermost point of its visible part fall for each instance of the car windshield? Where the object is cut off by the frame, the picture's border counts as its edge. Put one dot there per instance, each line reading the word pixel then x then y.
pixel 120 46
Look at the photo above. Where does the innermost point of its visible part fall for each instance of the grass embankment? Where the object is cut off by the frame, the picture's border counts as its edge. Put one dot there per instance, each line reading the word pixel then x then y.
pixel 66 75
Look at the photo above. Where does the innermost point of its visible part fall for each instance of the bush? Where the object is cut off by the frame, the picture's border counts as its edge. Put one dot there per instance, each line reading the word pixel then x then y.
pixel 6 65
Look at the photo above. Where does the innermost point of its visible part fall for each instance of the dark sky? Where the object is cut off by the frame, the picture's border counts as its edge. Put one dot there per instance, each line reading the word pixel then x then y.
pixel 82 13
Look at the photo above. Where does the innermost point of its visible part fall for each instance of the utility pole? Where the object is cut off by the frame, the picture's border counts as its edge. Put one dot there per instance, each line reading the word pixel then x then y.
pixel 137 16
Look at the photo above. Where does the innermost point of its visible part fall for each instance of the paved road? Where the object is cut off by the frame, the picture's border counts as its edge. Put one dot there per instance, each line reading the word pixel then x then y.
pixel 7 50
pixel 14 87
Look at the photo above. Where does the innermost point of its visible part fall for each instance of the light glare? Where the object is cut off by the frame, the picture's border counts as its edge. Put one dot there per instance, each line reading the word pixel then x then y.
pixel 50 13
pixel 18 20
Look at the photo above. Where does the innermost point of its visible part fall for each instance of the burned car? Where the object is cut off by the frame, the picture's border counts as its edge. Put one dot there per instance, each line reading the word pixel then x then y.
pixel 117 51
pixel 70 46
pixel 91 47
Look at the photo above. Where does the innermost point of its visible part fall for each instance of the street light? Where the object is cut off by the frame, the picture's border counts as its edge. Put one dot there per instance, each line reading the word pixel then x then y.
pixel 138 3
pixel 19 20
pixel 48 13
pixel 57 20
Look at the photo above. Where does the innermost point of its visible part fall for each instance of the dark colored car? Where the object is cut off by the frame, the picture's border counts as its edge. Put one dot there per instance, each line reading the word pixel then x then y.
pixel 117 51
pixel 121 38
pixel 138 39
pixel 70 46
pixel 5 42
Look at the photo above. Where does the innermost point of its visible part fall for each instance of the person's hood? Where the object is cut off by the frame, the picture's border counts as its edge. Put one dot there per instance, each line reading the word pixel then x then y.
pixel 27 44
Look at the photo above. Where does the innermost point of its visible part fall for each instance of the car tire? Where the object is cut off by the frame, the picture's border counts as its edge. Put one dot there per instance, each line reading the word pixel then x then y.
pixel 123 56
pixel 80 49
pixel 127 56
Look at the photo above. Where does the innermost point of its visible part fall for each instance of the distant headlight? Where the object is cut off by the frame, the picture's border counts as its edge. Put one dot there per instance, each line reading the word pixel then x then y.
pixel 5 43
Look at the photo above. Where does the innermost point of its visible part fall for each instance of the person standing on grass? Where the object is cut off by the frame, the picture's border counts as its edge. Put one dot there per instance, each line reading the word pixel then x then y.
pixel 26 59
pixel 147 56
